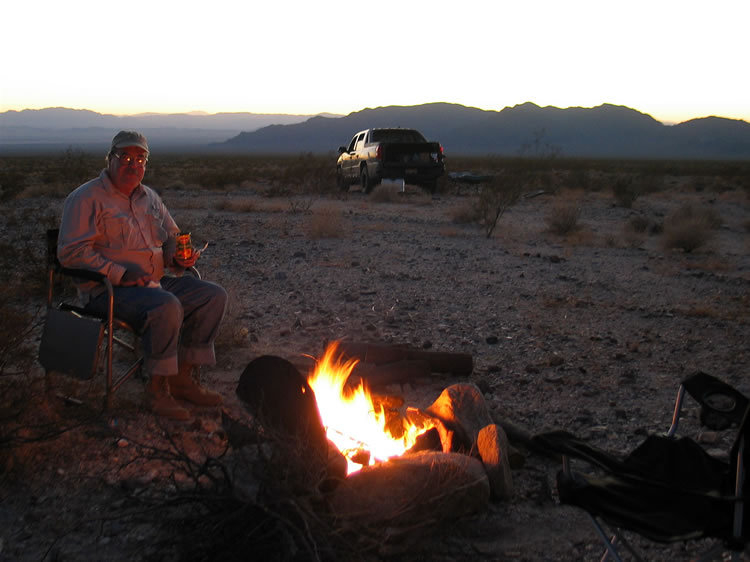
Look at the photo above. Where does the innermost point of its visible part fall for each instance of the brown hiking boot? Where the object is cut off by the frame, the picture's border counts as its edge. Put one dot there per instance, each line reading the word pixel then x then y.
pixel 183 386
pixel 161 402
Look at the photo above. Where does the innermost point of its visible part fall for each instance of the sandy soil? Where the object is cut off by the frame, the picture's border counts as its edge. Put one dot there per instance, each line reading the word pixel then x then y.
pixel 591 333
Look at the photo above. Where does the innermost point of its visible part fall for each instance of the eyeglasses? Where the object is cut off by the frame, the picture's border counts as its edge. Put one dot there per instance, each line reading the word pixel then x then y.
pixel 127 159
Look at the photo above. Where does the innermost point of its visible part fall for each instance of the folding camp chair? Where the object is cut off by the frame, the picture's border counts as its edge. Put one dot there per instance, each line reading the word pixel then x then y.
pixel 668 489
pixel 73 336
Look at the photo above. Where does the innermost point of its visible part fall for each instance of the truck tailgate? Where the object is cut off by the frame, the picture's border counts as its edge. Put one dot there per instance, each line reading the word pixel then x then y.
pixel 412 154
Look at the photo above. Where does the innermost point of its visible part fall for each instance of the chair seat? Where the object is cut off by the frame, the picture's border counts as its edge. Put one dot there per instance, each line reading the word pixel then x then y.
pixel 667 490
pixel 82 311
pixel 659 513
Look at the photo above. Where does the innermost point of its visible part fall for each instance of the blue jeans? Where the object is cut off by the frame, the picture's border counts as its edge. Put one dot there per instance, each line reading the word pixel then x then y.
pixel 178 323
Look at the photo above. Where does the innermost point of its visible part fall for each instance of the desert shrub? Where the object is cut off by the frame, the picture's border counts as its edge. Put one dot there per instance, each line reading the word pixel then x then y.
pixel 498 196
pixel 563 217
pixel 635 230
pixel 624 191
pixel 17 354
pixel 325 222
pixel 579 179
pixel 466 213
pixel 690 227
pixel 638 223
pixel 385 194
pixel 222 178
pixel 311 174
pixel 235 205
pixel 74 166
pixel 12 182
pixel 58 175
pixel 17 358
pixel 300 204
pixel 692 211
pixel 627 188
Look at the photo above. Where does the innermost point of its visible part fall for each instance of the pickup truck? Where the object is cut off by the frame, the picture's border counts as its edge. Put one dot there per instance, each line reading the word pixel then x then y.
pixel 377 154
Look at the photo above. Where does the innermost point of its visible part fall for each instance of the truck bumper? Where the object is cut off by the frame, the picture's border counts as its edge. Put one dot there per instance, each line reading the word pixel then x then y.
pixel 413 175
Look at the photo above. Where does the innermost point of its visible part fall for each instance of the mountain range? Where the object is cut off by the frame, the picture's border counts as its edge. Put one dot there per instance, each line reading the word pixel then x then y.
pixel 57 128
pixel 603 131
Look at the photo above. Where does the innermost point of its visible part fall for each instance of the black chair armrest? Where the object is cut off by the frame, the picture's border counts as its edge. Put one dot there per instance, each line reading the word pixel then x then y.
pixel 721 404
pixel 83 274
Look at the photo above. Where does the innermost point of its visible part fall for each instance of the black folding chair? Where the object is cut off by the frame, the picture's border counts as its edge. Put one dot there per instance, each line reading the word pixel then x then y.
pixel 73 336
pixel 668 489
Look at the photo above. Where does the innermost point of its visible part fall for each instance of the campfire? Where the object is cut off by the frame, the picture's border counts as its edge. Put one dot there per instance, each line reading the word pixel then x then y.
pixel 360 428
pixel 378 462
pixel 357 444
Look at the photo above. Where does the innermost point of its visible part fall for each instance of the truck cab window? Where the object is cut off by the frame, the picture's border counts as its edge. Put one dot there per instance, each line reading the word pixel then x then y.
pixel 360 142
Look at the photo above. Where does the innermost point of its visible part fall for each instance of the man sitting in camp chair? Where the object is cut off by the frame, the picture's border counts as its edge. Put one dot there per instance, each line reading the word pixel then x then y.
pixel 116 226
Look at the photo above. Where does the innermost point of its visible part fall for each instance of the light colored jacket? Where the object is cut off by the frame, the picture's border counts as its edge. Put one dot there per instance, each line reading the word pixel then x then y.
pixel 105 231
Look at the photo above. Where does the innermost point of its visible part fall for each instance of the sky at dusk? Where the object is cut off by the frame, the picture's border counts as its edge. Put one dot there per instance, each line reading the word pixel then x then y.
pixel 674 60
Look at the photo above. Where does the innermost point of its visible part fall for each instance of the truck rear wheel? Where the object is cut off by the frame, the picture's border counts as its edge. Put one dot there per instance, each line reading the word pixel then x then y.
pixel 364 180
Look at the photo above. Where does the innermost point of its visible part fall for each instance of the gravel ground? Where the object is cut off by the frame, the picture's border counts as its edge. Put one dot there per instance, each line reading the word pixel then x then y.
pixel 591 333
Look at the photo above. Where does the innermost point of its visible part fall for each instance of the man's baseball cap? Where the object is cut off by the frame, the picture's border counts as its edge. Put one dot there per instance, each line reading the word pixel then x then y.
pixel 129 138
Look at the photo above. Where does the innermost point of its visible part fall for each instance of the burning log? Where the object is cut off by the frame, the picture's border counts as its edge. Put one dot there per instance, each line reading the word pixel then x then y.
pixel 460 364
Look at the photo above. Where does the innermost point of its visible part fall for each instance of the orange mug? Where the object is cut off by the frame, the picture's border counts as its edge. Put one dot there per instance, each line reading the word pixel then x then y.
pixel 184 249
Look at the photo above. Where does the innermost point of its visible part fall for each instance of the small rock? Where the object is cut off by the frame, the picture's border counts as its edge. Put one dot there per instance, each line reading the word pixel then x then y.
pixel 708 437
pixel 556 360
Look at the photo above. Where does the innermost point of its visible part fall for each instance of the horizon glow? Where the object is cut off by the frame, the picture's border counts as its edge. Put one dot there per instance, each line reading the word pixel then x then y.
pixel 673 60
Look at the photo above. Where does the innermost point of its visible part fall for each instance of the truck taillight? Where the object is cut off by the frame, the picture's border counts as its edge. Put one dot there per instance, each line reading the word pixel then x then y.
pixel 379 152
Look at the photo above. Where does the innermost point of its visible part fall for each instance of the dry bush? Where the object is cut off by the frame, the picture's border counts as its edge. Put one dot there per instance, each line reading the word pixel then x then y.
pixel 326 222
pixel 634 233
pixel 563 217
pixel 498 196
pixel 637 228
pixel 582 236
pixel 690 227
pixel 627 188
pixel 386 194
pixel 236 205
pixel 466 213
pixel 300 204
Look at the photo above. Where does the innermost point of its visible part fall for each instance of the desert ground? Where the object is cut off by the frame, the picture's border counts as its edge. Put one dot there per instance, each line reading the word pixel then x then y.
pixel 589 330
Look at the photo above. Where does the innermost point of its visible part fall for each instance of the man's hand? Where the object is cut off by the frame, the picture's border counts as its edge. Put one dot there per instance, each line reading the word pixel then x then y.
pixel 134 278
pixel 189 262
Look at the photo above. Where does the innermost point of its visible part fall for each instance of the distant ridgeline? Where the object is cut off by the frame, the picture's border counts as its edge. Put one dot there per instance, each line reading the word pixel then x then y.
pixel 606 131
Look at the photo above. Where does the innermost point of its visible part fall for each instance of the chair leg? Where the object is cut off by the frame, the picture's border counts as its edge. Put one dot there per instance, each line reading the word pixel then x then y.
pixel 609 543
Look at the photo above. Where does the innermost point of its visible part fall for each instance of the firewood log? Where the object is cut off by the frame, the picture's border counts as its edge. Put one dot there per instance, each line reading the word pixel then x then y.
pixel 389 373
pixel 379 354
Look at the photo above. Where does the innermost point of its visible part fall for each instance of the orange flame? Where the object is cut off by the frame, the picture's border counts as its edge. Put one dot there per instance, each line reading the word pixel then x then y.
pixel 352 421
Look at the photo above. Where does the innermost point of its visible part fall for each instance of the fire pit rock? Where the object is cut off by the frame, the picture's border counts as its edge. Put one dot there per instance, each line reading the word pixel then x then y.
pixel 413 490
pixel 465 425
